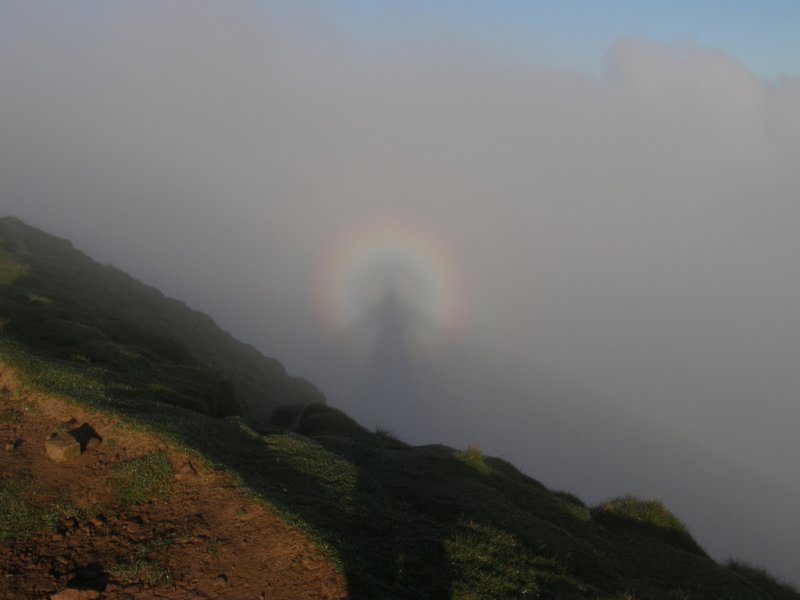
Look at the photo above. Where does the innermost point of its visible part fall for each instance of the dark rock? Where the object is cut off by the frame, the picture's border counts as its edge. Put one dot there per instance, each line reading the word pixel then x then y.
pixel 89 577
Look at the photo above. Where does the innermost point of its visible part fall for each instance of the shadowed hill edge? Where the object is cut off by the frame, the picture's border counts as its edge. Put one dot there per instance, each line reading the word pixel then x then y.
pixel 63 305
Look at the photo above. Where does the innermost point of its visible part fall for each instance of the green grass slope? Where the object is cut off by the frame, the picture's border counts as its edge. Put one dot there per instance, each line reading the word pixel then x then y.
pixel 64 307
pixel 403 522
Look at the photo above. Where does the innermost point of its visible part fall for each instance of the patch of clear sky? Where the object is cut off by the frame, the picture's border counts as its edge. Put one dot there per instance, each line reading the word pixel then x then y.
pixel 762 34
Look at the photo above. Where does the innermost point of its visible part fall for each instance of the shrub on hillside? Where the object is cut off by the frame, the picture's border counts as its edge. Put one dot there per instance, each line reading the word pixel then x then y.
pixel 646 517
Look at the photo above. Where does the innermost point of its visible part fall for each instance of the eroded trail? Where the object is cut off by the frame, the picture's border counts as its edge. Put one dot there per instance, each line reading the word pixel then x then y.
pixel 127 515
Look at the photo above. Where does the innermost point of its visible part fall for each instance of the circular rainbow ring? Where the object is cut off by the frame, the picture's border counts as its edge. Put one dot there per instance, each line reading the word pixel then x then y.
pixel 403 256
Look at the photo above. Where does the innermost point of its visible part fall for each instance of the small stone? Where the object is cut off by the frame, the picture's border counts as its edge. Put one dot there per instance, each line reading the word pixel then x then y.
pixel 63 559
pixel 133 527
pixel 186 472
pixel 92 442
pixel 8 446
pixel 98 521
pixel 61 448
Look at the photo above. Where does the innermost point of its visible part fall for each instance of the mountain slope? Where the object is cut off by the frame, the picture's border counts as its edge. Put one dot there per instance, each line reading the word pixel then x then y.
pixel 401 521
pixel 63 306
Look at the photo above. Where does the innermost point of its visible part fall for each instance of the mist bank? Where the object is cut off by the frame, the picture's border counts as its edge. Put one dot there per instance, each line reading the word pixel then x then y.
pixel 567 436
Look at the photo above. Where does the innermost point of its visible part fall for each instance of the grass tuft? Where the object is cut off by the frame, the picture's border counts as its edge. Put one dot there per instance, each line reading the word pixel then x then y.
pixel 148 571
pixel 149 565
pixel 490 562
pixel 386 434
pixel 38 299
pixel 11 269
pixel 647 517
pixel 9 415
pixel 25 509
pixel 473 456
pixel 389 438
pixel 141 479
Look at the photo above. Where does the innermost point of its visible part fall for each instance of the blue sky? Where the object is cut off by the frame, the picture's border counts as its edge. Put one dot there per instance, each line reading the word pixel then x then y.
pixel 576 34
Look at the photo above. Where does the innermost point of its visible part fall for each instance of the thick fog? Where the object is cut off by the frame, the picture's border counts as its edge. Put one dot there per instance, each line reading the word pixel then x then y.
pixel 601 277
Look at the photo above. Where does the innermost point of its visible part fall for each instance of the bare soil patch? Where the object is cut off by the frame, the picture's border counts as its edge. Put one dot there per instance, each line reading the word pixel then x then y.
pixel 195 537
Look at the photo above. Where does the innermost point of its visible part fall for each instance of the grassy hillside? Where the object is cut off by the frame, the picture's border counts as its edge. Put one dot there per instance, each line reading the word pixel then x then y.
pixel 66 308
pixel 400 521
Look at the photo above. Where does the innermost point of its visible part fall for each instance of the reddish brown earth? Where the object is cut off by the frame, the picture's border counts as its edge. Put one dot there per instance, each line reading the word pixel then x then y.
pixel 204 538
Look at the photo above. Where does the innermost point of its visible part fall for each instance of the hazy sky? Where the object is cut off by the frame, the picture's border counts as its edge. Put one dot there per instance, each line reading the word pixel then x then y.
pixel 564 231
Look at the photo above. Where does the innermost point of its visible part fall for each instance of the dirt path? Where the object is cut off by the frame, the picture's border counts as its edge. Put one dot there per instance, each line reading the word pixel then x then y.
pixel 193 537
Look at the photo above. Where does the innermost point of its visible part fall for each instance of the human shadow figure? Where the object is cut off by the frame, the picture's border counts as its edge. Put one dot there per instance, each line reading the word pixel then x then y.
pixel 384 554
pixel 390 378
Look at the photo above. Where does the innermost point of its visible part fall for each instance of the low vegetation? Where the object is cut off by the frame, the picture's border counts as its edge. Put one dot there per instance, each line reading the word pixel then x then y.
pixel 473 457
pixel 761 579
pixel 149 564
pixel 11 268
pixel 26 507
pixel 147 571
pixel 10 415
pixel 646 517
pixel 141 479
